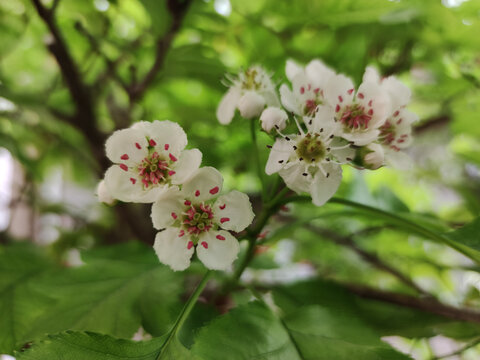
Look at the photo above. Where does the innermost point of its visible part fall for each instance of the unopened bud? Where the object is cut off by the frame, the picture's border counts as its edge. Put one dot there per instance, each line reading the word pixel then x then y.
pixel 373 156
pixel 251 105
pixel 103 194
pixel 273 117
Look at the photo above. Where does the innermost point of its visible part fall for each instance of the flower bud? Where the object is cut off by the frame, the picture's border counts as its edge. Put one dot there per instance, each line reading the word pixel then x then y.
pixel 273 117
pixel 251 105
pixel 373 157
pixel 103 194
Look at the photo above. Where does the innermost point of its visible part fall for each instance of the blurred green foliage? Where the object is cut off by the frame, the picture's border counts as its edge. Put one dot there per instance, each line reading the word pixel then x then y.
pixel 431 45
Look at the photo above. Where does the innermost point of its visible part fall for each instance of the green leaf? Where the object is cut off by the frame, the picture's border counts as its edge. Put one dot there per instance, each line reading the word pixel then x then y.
pixel 468 235
pixel 86 345
pixel 248 332
pixel 112 294
pixel 21 265
pixel 253 331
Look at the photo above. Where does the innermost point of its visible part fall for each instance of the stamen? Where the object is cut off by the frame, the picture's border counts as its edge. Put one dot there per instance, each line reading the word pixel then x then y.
pixel 181 233
pixel 350 91
pixel 360 95
pixel 123 167
pixel 220 237
pixel 269 146
pixel 204 244
pixel 166 147
pixel 124 157
pixel 214 190
pixel 190 244
pixel 222 206
pixel 133 181
pixel 171 173
pixel 138 146
pixel 152 142
pixel 197 193
pixel 174 215
pixel 187 202
pixel 225 219
pixel 173 158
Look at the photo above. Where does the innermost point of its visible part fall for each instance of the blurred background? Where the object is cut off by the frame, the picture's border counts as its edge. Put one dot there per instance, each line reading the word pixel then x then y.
pixel 71 76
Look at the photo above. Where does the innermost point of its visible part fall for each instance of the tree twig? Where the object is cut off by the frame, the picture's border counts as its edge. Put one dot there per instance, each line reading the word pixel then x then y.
pixel 428 305
pixel 177 10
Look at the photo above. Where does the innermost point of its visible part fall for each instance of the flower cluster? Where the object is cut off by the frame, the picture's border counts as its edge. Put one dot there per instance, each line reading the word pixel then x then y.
pixel 336 124
pixel 152 166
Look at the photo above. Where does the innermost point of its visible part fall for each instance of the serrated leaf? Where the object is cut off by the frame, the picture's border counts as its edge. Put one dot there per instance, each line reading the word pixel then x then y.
pixel 111 294
pixel 253 331
pixel 73 345
pixel 21 265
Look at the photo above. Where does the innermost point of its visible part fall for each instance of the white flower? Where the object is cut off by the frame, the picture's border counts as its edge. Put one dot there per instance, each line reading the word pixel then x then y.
pixel 246 93
pixel 360 112
pixel 251 105
pixel 148 157
pixel 273 117
pixel 103 194
pixel 373 157
pixel 310 162
pixel 396 132
pixel 196 217
pixel 308 86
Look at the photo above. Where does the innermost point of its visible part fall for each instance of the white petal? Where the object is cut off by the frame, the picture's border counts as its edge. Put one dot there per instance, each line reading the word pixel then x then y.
pixel 273 117
pixel 318 73
pixel 227 106
pixel 173 250
pixel 167 208
pixel 168 135
pixel 375 158
pixel 371 74
pixel 399 93
pixel 324 119
pixel 203 185
pixel 188 162
pixel 289 100
pixel 376 99
pixel 293 176
pixel 119 184
pixel 362 138
pixel 236 207
pixel 217 254
pixel 292 69
pixel 322 187
pixel 344 154
pixel 103 194
pixel 339 86
pixel 251 105
pixel 270 96
pixel 279 154
pixel 121 146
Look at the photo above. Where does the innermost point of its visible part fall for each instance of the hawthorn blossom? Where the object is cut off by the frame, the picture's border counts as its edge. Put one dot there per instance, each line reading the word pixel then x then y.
pixel 310 162
pixel 273 117
pixel 103 194
pixel 308 87
pixel 395 133
pixel 250 91
pixel 197 218
pixel 149 157
pixel 360 113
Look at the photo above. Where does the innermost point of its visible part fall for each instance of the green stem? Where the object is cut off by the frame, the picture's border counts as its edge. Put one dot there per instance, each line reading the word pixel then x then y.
pixel 256 156
pixel 185 312
pixel 395 220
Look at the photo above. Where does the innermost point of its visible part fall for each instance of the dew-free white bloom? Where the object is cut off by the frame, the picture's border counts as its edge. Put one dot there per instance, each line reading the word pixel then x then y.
pixel 360 113
pixel 273 117
pixel 250 91
pixel 308 86
pixel 196 217
pixel 103 194
pixel 373 157
pixel 310 162
pixel 149 157
pixel 396 132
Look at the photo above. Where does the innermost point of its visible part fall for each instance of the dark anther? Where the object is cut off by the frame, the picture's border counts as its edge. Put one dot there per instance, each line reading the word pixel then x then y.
pixel 280 161
pixel 294 147
pixel 321 130
pixel 348 159
pixel 301 159
pixel 287 138
pixel 328 174
pixel 269 146
pixel 331 136
pixel 304 174
pixel 276 127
